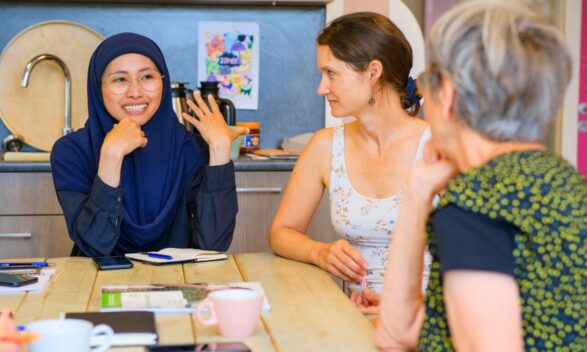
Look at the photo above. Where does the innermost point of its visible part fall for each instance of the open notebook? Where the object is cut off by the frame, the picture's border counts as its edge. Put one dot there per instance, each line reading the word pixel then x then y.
pixel 176 255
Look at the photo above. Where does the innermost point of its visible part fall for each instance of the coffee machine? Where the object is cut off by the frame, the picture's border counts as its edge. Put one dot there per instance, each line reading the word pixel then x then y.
pixel 180 93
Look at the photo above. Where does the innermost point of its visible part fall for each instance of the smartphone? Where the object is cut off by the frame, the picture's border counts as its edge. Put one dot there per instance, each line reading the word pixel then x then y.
pixel 202 347
pixel 16 280
pixel 112 263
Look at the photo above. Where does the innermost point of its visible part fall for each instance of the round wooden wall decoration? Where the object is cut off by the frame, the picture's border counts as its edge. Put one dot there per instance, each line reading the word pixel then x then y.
pixel 37 113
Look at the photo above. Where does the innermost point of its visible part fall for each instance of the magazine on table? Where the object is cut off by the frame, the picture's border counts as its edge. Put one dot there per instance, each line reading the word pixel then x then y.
pixel 165 298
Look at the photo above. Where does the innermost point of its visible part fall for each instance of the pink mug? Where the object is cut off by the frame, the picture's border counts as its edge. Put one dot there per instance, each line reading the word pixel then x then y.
pixel 235 310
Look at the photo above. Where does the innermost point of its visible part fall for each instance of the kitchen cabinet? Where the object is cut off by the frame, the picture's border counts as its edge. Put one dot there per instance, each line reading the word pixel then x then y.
pixel 31 220
pixel 32 223
pixel 34 236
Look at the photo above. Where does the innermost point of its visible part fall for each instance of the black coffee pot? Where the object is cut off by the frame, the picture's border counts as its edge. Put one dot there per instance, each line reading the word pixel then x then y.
pixel 226 106
pixel 180 94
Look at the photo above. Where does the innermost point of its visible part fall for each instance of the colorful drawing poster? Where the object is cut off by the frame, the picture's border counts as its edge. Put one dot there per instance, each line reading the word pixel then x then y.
pixel 228 52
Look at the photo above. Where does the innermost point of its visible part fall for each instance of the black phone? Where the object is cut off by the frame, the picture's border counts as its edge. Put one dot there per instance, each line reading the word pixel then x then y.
pixel 112 263
pixel 202 347
pixel 15 280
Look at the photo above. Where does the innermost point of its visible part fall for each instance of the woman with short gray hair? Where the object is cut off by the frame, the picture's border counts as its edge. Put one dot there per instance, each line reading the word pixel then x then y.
pixel 508 237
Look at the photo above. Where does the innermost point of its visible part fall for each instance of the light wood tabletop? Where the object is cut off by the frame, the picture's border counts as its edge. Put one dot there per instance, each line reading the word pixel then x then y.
pixel 308 312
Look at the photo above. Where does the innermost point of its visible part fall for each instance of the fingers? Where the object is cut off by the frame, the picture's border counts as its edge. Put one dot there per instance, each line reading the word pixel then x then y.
pixel 430 154
pixel 199 113
pixel 191 119
pixel 341 274
pixel 344 261
pixel 201 103
pixel 355 255
pixel 371 297
pixel 241 131
pixel 349 268
pixel 205 108
pixel 356 298
pixel 126 136
pixel 368 310
pixel 212 103
pixel 366 306
pixel 208 112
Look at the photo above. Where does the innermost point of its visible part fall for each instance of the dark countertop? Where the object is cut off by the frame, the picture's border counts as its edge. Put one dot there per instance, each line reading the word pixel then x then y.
pixel 242 164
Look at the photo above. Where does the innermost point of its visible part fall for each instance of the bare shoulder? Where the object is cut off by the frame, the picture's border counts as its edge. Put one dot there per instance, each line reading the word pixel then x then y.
pixel 320 145
pixel 315 159
pixel 418 126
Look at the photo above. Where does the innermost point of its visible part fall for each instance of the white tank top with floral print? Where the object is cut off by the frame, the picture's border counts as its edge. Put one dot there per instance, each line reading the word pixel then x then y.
pixel 367 223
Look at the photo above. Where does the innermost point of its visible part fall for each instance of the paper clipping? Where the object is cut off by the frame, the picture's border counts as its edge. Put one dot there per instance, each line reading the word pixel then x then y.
pixel 228 52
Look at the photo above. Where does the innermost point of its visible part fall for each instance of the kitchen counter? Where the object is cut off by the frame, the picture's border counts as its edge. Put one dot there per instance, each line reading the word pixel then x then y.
pixel 242 164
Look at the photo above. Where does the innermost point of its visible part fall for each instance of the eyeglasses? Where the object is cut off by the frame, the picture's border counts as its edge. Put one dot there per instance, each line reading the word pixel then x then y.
pixel 120 83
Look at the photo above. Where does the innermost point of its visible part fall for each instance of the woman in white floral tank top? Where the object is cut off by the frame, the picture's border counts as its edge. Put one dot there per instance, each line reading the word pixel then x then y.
pixel 366 223
pixel 365 62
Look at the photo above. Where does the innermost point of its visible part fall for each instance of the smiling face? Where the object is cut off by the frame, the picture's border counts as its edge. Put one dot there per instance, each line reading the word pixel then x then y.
pixel 137 103
pixel 347 91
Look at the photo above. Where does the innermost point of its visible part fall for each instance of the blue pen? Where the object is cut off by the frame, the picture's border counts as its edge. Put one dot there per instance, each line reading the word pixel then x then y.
pixel 159 256
pixel 16 264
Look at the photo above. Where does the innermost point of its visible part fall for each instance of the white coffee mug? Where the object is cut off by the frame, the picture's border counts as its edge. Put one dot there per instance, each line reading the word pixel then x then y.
pixel 68 335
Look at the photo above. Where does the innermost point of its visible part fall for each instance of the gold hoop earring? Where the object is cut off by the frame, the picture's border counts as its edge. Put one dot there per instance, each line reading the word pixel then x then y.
pixel 372 102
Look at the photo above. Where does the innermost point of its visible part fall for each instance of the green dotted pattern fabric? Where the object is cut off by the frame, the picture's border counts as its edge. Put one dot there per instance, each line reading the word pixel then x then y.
pixel 546 198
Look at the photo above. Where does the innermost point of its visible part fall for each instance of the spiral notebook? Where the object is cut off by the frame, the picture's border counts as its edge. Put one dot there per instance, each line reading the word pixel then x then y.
pixel 176 255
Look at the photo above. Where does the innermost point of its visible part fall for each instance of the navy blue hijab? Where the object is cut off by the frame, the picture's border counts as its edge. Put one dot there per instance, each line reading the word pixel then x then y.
pixel 154 178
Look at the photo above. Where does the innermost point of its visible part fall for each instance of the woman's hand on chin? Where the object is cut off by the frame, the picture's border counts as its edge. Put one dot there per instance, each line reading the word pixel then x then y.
pixel 430 175
pixel 213 128
pixel 123 139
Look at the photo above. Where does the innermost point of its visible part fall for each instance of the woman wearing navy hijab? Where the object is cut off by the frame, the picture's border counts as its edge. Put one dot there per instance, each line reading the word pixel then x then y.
pixel 133 179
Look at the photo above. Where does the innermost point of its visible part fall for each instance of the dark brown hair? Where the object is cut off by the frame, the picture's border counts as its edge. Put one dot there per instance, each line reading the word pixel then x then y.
pixel 359 38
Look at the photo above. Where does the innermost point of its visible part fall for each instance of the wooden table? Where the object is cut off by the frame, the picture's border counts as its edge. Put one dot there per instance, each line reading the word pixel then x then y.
pixel 309 312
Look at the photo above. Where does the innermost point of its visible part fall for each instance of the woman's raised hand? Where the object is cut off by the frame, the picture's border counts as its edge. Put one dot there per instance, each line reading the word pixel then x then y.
pixel 213 128
pixel 342 260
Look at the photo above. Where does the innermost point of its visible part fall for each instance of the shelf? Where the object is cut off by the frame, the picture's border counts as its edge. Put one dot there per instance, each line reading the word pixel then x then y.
pixel 195 2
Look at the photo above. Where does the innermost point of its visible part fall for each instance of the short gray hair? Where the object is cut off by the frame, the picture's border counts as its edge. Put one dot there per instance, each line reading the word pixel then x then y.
pixel 509 65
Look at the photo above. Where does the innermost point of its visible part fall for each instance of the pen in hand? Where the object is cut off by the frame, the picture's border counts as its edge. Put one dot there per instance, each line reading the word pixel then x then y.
pixel 364 288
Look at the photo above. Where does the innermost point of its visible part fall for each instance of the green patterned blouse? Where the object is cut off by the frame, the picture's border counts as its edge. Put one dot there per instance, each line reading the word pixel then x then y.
pixel 546 199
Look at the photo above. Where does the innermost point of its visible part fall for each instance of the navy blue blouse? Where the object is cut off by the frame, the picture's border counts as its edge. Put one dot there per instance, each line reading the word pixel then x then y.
pixel 205 217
